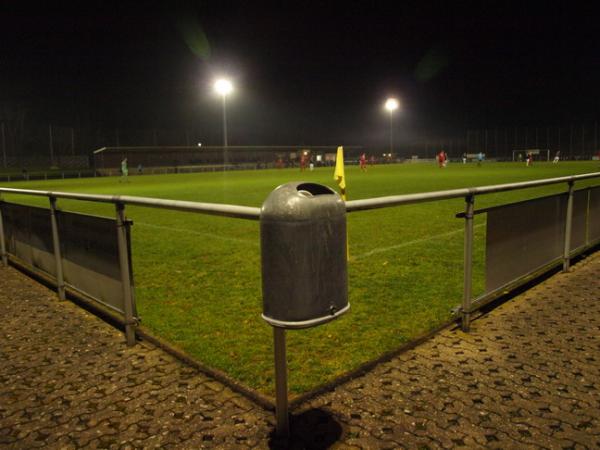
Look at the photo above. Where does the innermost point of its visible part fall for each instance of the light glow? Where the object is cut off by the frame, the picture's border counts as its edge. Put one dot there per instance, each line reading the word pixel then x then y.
pixel 391 104
pixel 223 86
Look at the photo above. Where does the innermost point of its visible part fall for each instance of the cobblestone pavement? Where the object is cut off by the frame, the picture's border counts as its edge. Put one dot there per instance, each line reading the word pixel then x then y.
pixel 67 380
pixel 527 376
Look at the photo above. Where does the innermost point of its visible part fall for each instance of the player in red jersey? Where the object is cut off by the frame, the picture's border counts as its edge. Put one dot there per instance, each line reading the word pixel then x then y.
pixel 363 162
pixel 441 157
pixel 302 162
pixel 529 159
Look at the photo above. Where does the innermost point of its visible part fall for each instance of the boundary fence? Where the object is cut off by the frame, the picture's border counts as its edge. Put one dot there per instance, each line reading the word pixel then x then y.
pixel 46 175
pixel 564 221
pixel 561 219
pixel 590 209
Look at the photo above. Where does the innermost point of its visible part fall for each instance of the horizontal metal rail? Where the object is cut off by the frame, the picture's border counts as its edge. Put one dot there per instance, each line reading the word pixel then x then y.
pixel 253 213
pixel 395 200
pixel 216 209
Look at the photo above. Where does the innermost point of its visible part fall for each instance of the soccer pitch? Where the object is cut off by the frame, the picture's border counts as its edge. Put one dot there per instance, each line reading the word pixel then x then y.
pixel 198 277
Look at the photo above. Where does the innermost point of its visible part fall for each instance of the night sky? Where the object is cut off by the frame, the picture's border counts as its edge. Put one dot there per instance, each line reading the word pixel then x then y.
pixel 311 73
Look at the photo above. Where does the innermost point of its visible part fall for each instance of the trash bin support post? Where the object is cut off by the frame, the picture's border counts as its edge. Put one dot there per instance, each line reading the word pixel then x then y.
pixel 281 389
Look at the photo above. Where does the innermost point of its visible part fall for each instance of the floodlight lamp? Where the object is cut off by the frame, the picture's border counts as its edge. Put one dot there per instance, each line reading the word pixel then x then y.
pixel 223 86
pixel 391 104
pixel 199 144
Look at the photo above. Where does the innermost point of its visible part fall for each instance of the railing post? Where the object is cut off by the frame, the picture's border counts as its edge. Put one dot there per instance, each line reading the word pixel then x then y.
pixel 60 282
pixel 3 254
pixel 468 263
pixel 130 321
pixel 568 226
pixel 281 390
pixel 587 217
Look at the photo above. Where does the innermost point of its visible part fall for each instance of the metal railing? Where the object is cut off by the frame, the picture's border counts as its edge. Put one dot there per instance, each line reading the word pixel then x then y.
pixel 242 212
pixel 469 195
pixel 253 213
pixel 217 209
pixel 396 200
pixel 42 175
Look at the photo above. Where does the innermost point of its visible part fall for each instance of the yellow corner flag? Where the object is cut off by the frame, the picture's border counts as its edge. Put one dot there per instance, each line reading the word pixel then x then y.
pixel 338 175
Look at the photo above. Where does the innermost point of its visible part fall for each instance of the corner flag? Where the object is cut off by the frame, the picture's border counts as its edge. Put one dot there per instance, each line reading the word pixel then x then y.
pixel 338 175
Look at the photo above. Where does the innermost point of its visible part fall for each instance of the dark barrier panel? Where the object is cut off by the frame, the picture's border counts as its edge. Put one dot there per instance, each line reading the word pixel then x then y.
pixel 90 255
pixel 89 250
pixel 523 237
pixel 16 226
pixel 29 236
pixel 594 228
pixel 578 230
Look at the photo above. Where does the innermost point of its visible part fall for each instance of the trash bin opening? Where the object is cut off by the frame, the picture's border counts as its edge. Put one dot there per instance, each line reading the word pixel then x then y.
pixel 312 189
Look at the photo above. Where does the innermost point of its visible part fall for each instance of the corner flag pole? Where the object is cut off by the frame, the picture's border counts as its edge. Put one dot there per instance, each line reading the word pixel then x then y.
pixel 340 177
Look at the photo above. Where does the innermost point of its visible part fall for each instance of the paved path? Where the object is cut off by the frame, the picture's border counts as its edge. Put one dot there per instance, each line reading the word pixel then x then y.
pixel 528 376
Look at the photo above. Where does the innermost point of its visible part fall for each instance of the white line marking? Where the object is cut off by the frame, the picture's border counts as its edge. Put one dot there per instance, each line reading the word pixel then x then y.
pixel 256 243
pixel 201 233
pixel 416 241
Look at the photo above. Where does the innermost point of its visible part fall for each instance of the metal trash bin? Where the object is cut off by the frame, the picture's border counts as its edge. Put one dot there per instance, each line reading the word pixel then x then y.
pixel 304 256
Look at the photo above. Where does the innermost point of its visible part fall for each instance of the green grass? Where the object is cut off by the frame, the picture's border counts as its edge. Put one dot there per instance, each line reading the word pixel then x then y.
pixel 198 277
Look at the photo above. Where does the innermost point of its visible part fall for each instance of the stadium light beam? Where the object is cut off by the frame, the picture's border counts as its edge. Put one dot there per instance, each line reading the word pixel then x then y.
pixel 224 87
pixel 391 104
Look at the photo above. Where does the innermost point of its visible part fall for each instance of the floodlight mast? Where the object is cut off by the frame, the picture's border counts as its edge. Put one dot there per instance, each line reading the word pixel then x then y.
pixel 391 104
pixel 224 87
